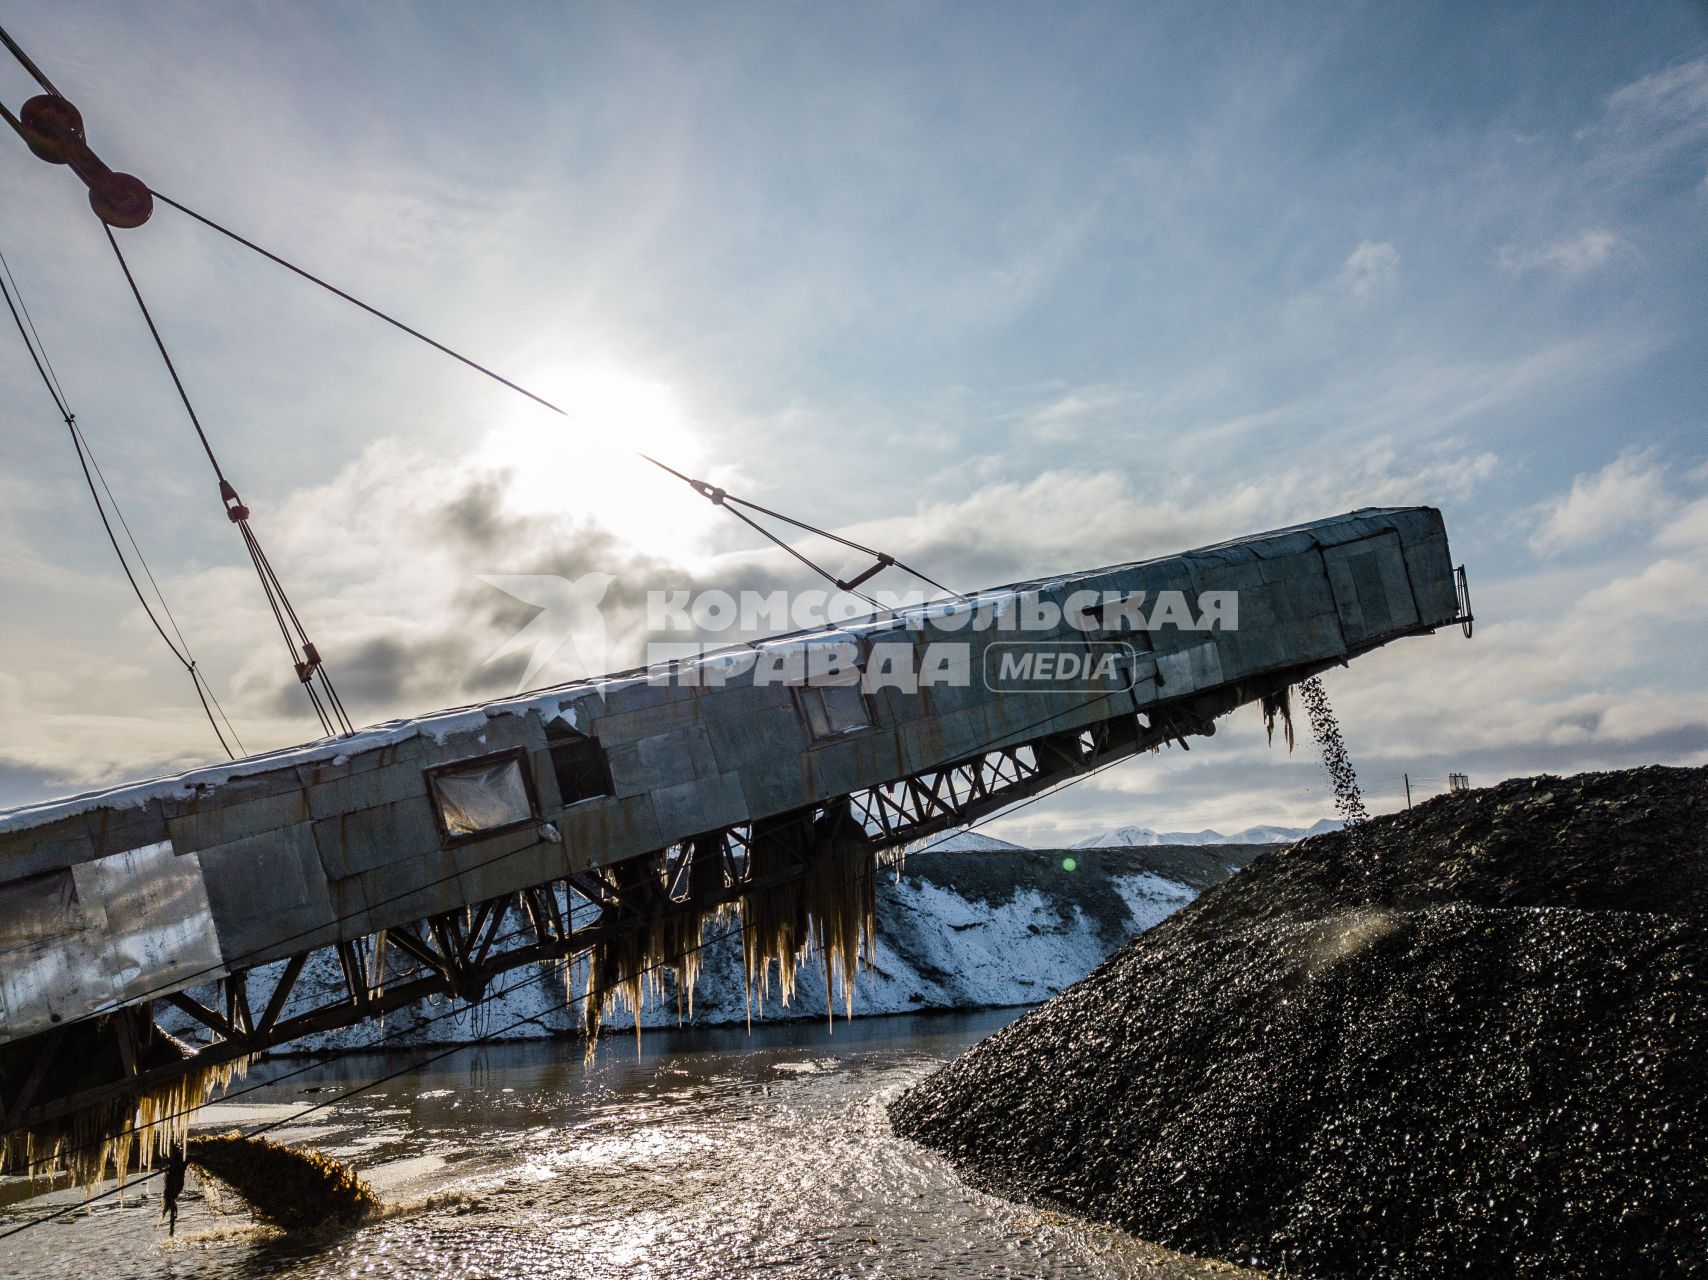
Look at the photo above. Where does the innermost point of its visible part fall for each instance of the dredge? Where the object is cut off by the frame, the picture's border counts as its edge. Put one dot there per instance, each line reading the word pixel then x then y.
pixel 614 816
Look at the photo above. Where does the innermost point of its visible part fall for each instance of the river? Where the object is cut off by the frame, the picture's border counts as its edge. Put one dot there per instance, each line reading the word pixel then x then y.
pixel 710 1153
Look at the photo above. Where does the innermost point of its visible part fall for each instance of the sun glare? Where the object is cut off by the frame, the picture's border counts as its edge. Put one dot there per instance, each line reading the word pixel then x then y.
pixel 589 467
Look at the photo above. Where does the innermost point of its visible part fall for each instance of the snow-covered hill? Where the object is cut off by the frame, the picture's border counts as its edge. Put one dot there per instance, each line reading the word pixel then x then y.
pixel 958 928
pixel 1120 837
pixel 966 842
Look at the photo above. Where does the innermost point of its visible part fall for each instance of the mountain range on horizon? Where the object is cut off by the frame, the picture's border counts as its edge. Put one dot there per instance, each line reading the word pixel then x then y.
pixel 1131 836
pixel 1117 837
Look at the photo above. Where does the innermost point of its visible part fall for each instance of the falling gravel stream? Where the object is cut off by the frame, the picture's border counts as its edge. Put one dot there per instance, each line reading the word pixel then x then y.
pixel 712 1154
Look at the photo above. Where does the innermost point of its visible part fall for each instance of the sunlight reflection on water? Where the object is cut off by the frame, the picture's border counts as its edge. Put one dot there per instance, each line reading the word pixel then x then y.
pixel 714 1154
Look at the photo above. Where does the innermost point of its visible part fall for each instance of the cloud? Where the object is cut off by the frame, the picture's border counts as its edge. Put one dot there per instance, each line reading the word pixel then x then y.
pixel 1079 518
pixel 1063 417
pixel 1370 270
pixel 22 783
pixel 1688 528
pixel 1646 126
pixel 1628 492
pixel 1673 589
pixel 1573 256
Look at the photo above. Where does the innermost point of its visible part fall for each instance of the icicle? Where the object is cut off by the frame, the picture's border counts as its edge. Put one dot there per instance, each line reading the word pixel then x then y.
pixel 1279 706
pixel 830 906
pixel 90 1142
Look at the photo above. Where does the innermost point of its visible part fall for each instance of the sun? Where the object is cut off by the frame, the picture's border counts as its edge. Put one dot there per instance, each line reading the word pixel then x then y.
pixel 588 465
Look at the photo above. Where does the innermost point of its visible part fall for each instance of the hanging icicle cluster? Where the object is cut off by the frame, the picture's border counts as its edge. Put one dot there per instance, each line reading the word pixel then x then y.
pixel 832 909
pixel 1279 707
pixel 628 967
pixel 111 1139
pixel 807 884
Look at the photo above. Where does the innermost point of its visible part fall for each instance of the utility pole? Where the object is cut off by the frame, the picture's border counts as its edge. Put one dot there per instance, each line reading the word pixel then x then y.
pixel 1407 778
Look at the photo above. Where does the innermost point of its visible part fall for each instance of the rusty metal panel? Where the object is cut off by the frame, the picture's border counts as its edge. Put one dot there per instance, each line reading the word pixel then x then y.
pixel 115 830
pixel 507 863
pixel 775 789
pixel 316 773
pixel 1430 571
pixel 424 884
pixel 47 848
pixel 353 843
pixel 847 764
pixel 941 739
pixel 613 727
pixel 363 790
pixel 759 740
pixel 499 730
pixel 610 829
pixel 214 822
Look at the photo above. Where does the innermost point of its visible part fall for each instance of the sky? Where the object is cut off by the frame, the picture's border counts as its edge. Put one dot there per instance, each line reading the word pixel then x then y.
pixel 1005 289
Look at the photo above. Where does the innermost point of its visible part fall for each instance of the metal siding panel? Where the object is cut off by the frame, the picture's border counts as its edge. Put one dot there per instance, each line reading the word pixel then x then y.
pixel 769 789
pixel 366 789
pixel 662 760
pixel 614 728
pixel 689 808
pixel 48 848
pixel 937 740
pixel 507 863
pixel 350 907
pixel 1431 572
pixel 265 889
pixel 609 830
pixel 410 751
pixel 758 740
pixel 409 889
pixel 131 827
pixel 1358 572
pixel 214 822
pixel 500 732
pixel 354 843
pixel 160 927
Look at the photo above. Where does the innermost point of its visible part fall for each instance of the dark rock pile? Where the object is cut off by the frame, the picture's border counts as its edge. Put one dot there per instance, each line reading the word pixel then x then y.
pixel 1467 1040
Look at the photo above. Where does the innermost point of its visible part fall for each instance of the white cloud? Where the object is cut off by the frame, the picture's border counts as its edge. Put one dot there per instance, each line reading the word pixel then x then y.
pixel 1069 517
pixel 1373 268
pixel 1573 256
pixel 1062 417
pixel 1649 122
pixel 1665 589
pixel 1688 529
pixel 1628 492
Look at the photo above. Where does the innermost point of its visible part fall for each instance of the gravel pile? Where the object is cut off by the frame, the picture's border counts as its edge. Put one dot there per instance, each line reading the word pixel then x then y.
pixel 1467 1040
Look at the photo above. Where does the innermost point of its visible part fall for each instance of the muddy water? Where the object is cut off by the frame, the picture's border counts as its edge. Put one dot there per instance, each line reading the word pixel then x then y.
pixel 715 1154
